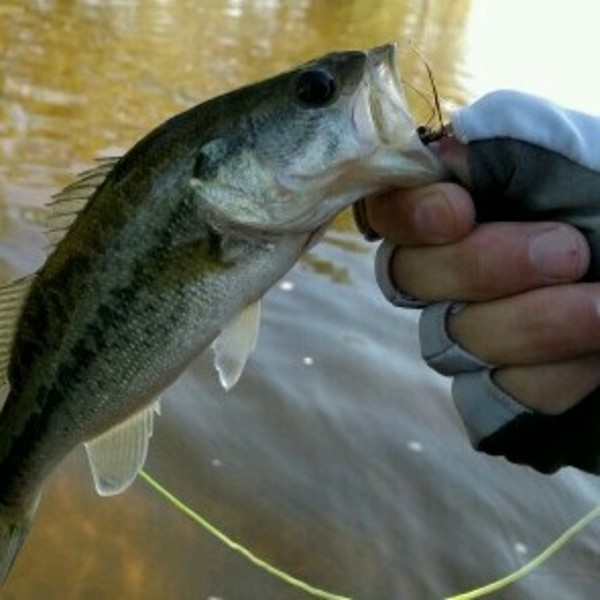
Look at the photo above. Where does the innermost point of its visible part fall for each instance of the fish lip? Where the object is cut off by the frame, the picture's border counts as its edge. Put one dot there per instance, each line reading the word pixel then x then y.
pixel 386 96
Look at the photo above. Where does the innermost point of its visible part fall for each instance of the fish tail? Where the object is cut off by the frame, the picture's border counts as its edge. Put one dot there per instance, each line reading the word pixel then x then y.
pixel 14 527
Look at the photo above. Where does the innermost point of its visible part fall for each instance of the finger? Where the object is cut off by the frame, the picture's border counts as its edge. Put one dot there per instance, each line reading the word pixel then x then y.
pixel 551 324
pixel 436 214
pixel 495 260
pixel 551 388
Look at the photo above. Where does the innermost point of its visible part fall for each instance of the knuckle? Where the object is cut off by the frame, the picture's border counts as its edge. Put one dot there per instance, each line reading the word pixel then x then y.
pixel 471 276
pixel 565 321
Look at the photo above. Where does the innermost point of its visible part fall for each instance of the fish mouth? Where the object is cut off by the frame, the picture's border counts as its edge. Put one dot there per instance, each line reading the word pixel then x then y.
pixel 386 101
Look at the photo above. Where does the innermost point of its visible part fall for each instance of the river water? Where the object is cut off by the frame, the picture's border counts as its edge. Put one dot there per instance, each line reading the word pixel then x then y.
pixel 339 456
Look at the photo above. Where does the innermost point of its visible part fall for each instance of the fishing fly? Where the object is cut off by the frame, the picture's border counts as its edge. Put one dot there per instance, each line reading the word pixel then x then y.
pixel 430 133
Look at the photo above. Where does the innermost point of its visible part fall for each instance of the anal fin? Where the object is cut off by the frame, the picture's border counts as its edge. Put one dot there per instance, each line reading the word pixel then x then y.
pixel 119 454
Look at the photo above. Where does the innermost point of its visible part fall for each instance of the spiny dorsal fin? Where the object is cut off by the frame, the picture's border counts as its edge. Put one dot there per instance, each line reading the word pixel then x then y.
pixel 119 454
pixel 235 343
pixel 12 297
pixel 68 203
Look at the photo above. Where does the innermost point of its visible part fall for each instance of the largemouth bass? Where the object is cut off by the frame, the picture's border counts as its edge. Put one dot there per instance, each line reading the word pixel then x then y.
pixel 168 250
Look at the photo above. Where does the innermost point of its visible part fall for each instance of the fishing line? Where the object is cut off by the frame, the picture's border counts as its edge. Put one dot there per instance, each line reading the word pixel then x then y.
pixel 236 547
pixel 534 563
pixel 495 586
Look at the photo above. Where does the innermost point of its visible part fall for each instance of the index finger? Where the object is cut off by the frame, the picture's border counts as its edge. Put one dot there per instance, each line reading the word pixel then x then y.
pixel 441 213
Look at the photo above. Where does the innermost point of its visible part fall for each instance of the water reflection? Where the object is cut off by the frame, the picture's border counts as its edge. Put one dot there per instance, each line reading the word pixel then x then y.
pixel 84 77
pixel 339 457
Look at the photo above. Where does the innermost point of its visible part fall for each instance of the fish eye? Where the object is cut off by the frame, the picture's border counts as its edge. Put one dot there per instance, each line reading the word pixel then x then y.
pixel 315 87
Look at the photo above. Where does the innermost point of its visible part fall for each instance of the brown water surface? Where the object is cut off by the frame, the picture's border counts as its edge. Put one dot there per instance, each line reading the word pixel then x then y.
pixel 338 457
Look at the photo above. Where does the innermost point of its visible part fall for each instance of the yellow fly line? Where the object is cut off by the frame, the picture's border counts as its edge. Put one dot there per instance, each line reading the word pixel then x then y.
pixel 534 562
pixel 259 562
pixel 319 593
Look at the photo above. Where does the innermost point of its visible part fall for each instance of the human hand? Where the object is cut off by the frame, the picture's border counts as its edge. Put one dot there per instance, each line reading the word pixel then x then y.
pixel 525 318
pixel 524 314
pixel 526 344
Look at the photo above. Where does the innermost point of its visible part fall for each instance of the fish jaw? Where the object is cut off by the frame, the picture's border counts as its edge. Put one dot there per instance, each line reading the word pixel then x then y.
pixel 393 152
pixel 389 109
pixel 381 115
pixel 385 149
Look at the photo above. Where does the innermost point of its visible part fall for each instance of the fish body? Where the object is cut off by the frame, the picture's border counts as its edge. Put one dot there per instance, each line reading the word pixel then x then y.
pixel 173 249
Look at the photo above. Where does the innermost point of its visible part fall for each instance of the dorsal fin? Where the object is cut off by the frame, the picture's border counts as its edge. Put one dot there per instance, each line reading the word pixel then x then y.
pixel 12 297
pixel 68 203
pixel 65 206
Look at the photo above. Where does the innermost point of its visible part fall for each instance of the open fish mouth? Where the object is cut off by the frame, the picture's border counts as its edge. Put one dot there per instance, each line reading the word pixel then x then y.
pixel 387 104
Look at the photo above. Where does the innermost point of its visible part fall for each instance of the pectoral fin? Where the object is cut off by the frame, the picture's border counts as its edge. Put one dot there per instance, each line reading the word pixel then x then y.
pixel 119 454
pixel 235 344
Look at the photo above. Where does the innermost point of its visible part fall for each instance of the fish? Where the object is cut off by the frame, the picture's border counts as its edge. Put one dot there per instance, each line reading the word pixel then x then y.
pixel 166 251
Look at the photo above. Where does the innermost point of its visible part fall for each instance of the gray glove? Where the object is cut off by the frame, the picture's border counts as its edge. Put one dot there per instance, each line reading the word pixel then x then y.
pixel 529 160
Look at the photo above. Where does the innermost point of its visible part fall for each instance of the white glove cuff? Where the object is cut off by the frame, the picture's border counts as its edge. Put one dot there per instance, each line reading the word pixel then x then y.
pixel 438 349
pixel 482 405
pixel 383 259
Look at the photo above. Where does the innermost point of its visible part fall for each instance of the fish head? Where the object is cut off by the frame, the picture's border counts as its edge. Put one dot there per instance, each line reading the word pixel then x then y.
pixel 310 142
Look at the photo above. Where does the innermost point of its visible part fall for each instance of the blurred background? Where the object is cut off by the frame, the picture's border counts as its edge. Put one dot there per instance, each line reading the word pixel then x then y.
pixel 339 456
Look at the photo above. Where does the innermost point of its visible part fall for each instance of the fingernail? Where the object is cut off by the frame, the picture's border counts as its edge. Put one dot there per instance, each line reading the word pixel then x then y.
pixel 559 253
pixel 434 218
